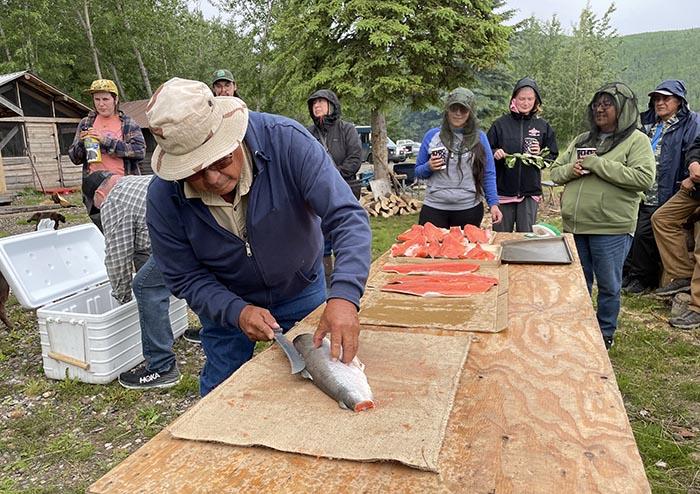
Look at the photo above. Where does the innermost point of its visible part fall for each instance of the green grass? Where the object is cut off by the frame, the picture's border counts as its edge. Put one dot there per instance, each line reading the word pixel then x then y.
pixel 658 371
pixel 384 231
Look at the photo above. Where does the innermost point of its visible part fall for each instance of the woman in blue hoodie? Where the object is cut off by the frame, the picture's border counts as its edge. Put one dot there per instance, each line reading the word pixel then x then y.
pixel 465 173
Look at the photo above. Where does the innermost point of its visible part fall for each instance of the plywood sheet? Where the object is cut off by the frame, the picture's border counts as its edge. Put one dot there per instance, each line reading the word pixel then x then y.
pixel 481 312
pixel 537 410
pixel 413 377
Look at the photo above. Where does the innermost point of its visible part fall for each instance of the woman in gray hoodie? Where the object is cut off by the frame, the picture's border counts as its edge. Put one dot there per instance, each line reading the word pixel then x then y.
pixel 457 162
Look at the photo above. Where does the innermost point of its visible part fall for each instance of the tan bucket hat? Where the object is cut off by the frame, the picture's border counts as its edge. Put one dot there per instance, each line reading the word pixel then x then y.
pixel 193 128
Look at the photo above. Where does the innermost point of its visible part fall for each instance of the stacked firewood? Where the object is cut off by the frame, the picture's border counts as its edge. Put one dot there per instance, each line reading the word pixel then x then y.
pixel 390 205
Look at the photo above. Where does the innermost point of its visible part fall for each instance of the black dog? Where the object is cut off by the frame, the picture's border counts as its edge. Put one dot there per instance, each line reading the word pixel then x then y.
pixel 55 217
pixel 4 294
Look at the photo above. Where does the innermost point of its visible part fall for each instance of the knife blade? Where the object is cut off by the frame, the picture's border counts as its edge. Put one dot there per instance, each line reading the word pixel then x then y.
pixel 295 359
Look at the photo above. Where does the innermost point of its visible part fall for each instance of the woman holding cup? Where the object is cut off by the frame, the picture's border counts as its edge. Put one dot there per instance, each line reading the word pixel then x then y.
pixel 605 171
pixel 521 130
pixel 457 163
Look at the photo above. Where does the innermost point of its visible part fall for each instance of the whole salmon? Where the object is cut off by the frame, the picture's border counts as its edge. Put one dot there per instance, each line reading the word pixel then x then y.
pixel 345 383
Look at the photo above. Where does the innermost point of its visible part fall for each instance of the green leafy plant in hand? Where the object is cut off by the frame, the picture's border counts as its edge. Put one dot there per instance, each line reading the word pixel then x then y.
pixel 529 159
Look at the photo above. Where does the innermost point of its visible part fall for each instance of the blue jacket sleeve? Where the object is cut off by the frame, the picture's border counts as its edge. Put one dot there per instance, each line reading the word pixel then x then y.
pixel 489 172
pixel 422 168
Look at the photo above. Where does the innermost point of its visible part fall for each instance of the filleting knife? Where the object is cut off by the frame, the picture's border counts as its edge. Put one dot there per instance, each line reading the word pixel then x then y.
pixel 295 359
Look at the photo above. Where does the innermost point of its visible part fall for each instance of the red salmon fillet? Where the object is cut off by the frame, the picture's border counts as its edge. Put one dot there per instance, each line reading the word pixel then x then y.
pixel 413 232
pixel 433 233
pixel 431 268
pixel 439 288
pixel 434 249
pixel 476 234
pixel 445 278
pixel 452 247
pixel 477 252
pixel 401 248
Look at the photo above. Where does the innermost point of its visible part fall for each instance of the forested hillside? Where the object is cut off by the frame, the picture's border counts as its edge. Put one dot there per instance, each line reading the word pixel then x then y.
pixel 646 59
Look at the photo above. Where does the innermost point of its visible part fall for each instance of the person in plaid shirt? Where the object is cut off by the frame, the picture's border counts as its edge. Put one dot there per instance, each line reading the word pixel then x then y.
pixel 122 205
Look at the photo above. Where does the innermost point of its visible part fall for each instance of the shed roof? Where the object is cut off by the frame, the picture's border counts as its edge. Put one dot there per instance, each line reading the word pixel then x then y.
pixel 136 110
pixel 41 85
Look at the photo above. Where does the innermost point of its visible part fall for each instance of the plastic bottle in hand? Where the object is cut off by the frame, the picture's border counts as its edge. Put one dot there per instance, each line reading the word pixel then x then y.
pixel 92 149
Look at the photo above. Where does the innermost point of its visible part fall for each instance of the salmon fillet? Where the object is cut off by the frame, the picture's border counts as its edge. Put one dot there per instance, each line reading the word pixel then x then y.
pixel 431 268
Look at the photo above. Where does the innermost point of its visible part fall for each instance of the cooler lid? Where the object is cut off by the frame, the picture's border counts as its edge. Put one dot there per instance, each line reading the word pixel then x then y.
pixel 48 265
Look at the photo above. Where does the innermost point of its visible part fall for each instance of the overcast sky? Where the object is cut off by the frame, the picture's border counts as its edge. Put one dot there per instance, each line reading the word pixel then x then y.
pixel 631 16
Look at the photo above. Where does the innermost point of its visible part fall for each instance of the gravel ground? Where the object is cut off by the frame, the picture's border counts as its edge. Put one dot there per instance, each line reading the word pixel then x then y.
pixel 61 436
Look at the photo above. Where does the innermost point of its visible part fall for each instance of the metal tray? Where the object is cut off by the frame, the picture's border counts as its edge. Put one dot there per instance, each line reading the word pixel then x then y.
pixel 550 250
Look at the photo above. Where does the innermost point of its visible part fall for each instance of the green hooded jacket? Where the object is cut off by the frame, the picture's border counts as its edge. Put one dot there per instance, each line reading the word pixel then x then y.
pixel 605 202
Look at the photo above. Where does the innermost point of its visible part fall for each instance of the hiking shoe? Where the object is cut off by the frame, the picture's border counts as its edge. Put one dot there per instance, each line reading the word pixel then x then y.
pixel 688 320
pixel 679 304
pixel 626 280
pixel 142 378
pixel 193 336
pixel 676 286
pixel 609 342
pixel 634 287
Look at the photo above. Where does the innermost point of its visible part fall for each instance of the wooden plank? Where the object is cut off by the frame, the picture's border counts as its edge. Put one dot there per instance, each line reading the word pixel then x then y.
pixel 3 184
pixel 42 119
pixel 9 104
pixel 537 410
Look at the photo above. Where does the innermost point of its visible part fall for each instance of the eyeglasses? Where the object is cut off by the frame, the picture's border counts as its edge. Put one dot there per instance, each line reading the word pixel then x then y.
pixel 218 165
pixel 458 109
pixel 603 105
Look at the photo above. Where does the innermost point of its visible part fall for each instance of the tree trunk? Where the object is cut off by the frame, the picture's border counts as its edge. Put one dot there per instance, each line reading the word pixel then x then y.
pixel 85 21
pixel 137 52
pixel 379 150
pixel 142 69
pixel 8 55
pixel 118 82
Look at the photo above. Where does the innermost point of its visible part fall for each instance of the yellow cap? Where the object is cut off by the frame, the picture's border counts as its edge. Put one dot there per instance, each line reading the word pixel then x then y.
pixel 103 85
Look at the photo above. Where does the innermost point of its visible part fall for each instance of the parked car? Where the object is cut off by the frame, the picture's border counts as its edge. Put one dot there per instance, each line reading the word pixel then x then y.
pixel 394 154
pixel 410 147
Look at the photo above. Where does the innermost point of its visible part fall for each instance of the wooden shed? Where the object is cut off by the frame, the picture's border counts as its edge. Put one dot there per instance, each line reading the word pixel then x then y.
pixel 37 125
pixel 137 111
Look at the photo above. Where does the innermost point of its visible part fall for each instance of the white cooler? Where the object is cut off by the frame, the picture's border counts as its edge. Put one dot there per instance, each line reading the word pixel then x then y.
pixel 85 333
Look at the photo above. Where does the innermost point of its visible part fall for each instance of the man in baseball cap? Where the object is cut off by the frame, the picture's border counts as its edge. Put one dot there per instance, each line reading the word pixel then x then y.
pixel 223 83
pixel 672 128
pixel 236 218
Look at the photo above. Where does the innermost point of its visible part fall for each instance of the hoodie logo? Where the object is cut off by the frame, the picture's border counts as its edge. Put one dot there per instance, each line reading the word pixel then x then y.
pixel 533 132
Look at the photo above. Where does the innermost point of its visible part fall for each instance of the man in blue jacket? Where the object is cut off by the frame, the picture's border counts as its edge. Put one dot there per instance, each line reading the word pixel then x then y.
pixel 672 128
pixel 236 217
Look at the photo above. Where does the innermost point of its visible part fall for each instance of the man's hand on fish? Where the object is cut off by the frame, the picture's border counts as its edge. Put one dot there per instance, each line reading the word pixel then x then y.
pixel 340 319
pixel 257 323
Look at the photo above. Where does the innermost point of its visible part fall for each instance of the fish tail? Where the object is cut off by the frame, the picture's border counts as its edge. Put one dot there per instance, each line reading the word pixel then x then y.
pixel 364 405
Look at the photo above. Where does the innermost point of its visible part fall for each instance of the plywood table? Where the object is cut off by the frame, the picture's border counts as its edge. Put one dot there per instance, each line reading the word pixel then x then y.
pixel 538 410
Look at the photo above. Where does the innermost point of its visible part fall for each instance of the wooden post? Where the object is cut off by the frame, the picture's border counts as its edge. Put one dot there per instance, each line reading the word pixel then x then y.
pixel 3 185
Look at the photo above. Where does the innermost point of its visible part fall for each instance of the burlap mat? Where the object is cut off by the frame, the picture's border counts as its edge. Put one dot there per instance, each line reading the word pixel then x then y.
pixel 413 378
pixel 479 312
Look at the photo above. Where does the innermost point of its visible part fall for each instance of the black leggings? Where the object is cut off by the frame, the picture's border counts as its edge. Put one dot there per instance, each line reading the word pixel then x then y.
pixel 445 219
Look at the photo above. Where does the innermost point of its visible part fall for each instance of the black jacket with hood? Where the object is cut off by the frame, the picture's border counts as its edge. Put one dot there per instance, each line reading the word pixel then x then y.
pixel 340 138
pixel 508 132
pixel 676 142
